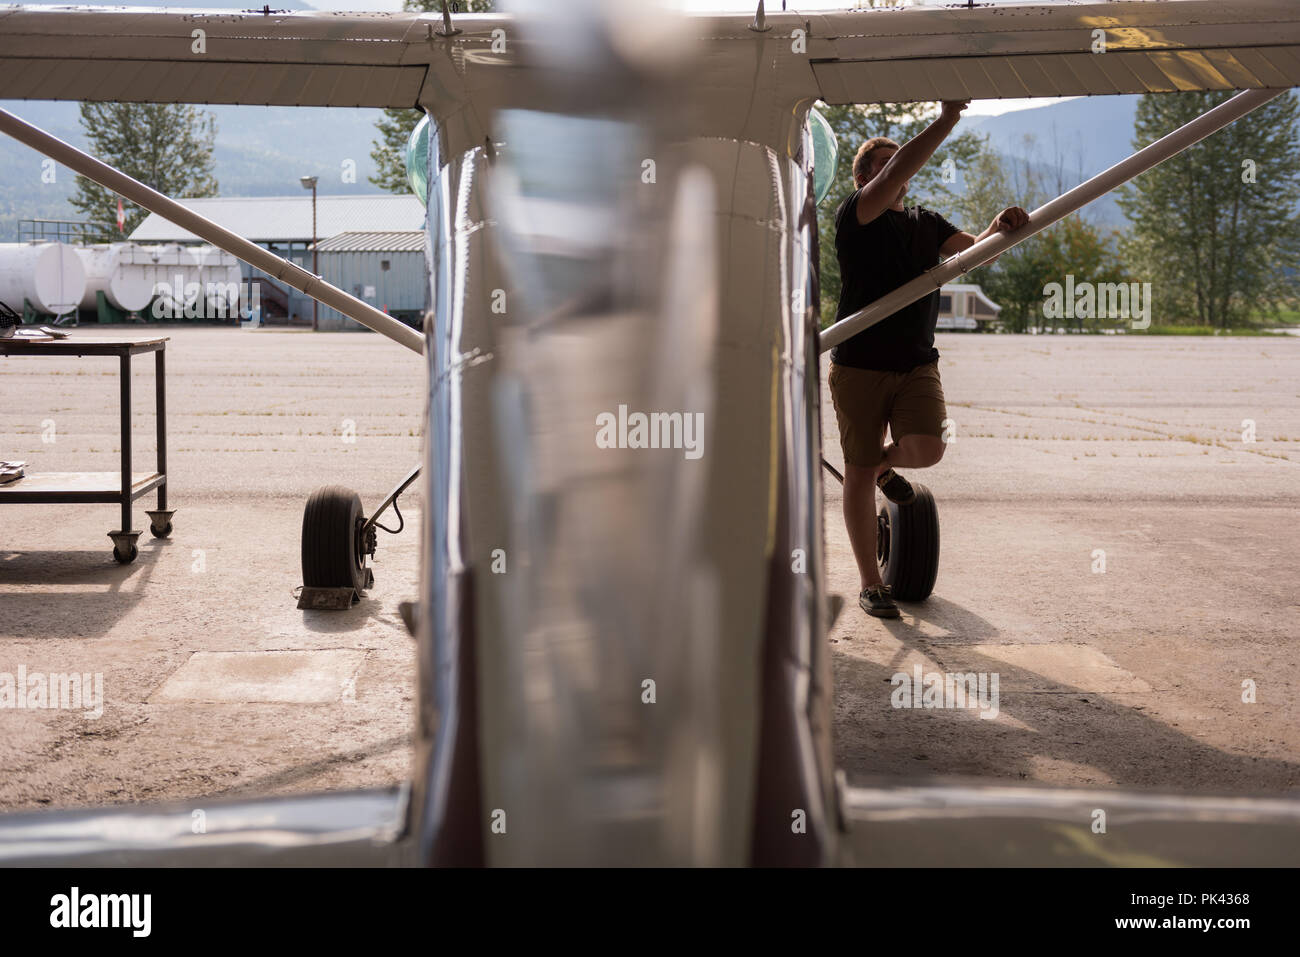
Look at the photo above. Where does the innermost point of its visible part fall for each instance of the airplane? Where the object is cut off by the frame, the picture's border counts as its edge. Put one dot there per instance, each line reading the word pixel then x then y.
pixel 622 650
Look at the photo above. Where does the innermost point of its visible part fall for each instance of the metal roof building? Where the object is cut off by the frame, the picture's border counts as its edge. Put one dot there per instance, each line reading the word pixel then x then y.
pixel 385 268
pixel 411 241
pixel 266 219
pixel 283 225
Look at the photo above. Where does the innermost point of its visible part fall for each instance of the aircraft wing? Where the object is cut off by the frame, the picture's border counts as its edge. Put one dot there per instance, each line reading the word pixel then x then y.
pixel 1020 50
pixel 282 58
pixel 890 55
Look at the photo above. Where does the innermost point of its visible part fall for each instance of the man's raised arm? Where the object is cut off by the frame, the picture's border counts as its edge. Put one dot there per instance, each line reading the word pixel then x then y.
pixel 882 192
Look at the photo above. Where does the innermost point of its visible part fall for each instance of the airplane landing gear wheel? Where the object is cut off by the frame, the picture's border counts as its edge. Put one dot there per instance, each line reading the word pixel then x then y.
pixel 907 546
pixel 333 546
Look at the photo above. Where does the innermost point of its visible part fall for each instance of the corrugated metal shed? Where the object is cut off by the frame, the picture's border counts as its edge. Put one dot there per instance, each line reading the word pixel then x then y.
pixel 386 269
pixel 364 242
pixel 287 218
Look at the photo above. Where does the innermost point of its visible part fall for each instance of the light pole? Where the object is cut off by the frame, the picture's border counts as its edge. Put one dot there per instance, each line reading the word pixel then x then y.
pixel 309 182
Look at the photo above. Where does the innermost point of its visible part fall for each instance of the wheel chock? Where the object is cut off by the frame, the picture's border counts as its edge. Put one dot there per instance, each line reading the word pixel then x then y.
pixel 328 599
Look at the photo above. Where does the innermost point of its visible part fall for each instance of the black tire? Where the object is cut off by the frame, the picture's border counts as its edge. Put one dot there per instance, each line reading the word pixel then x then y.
pixel 332 556
pixel 125 558
pixel 160 532
pixel 907 546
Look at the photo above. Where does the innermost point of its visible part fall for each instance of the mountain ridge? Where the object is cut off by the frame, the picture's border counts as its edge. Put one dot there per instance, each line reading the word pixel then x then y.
pixel 262 151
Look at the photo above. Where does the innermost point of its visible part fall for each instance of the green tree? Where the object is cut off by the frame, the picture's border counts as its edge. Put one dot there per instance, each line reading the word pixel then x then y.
pixel 167 147
pixel 986 191
pixel 395 126
pixel 1018 280
pixel 1074 246
pixel 1214 228
pixel 935 186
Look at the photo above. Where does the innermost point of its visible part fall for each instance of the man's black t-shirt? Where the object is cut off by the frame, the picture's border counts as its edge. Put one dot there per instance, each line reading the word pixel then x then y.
pixel 878 258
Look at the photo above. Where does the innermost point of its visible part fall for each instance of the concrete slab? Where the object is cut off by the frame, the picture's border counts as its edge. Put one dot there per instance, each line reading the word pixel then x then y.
pixel 294 677
pixel 1064 446
pixel 1100 495
pixel 1054 668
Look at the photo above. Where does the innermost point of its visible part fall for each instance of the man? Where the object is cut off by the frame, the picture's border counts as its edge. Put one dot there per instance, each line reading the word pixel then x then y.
pixel 888 374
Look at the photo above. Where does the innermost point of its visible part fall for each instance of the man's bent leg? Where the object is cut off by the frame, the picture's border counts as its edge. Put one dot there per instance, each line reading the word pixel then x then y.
pixel 916 421
pixel 913 452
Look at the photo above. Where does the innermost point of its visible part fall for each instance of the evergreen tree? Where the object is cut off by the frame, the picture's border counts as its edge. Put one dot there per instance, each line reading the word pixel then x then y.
pixel 395 126
pixel 165 146
pixel 1214 228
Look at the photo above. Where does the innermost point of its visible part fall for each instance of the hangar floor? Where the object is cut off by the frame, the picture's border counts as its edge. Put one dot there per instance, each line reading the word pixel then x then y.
pixel 215 684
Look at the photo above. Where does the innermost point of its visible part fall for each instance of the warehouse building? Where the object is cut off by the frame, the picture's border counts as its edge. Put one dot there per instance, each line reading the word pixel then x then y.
pixel 283 224
pixel 386 269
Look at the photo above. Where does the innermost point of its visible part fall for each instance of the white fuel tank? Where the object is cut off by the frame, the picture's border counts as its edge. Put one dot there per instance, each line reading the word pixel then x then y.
pixel 172 271
pixel 112 269
pixel 49 275
pixel 220 274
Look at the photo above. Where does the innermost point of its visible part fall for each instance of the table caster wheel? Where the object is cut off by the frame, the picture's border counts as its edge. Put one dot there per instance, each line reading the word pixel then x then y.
pixel 160 522
pixel 124 548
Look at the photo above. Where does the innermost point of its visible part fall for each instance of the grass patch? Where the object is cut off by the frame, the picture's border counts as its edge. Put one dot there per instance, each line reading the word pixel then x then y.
pixel 1285 317
pixel 1202 331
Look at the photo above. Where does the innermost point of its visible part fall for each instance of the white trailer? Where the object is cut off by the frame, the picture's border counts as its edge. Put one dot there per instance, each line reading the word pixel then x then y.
pixel 963 306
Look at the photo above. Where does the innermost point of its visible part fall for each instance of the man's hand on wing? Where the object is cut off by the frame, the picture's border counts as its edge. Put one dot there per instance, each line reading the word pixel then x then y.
pixel 1010 219
pixel 951 109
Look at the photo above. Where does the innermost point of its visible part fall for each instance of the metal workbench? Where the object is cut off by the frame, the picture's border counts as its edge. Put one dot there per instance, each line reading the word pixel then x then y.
pixel 124 486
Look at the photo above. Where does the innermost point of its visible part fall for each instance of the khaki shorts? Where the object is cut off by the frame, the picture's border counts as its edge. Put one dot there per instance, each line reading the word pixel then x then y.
pixel 911 403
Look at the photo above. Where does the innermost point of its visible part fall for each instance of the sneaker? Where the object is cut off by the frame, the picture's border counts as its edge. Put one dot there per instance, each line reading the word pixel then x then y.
pixel 896 488
pixel 878 602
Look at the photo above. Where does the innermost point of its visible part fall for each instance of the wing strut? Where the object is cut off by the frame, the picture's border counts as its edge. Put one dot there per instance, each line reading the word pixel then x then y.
pixel 236 245
pixel 1162 149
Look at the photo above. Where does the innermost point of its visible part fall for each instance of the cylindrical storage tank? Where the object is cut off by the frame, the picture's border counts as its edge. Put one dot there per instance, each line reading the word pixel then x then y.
pixel 110 269
pixel 48 275
pixel 220 275
pixel 192 267
pixel 173 274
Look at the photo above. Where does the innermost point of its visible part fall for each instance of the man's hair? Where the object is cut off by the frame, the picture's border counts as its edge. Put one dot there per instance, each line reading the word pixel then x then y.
pixel 862 162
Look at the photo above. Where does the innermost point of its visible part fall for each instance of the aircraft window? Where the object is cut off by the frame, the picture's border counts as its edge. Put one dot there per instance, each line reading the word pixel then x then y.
pixel 417 159
pixel 826 155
